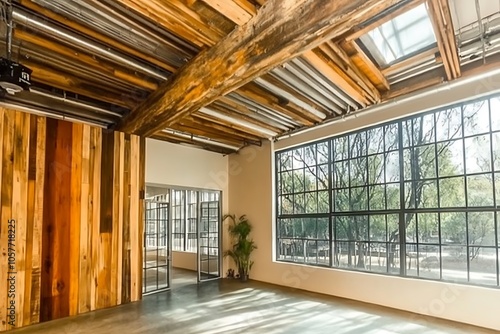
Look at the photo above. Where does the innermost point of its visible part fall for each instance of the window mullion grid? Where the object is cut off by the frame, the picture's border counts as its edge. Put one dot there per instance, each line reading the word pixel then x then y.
pixel 438 192
pixel 466 193
pixel 368 216
pixel 402 242
pixel 331 230
pixel 279 176
pixel 495 218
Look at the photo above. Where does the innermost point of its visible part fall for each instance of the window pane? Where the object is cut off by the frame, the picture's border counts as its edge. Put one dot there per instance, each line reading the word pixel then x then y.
pixel 391 137
pixel 377 255
pixel 477 154
pixel 454 263
pixel 481 229
pixel 476 118
pixel 450 158
pixel 357 144
pixel 428 228
pixel 429 261
pixel 378 230
pixel 495 111
pixel 451 192
pixel 377 197
pixel 483 268
pixel 449 124
pixel 375 140
pixel 480 190
pixel 453 228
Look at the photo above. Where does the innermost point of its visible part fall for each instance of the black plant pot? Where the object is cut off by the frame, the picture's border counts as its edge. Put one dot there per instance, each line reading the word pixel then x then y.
pixel 244 277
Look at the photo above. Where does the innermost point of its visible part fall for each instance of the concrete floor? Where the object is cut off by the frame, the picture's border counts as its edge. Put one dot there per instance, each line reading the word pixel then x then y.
pixel 229 306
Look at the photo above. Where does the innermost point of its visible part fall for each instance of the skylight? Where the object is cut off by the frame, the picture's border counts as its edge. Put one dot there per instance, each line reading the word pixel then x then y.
pixel 405 34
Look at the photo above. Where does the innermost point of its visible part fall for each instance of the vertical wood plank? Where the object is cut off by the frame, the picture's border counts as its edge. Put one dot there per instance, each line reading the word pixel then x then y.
pixel 135 220
pixel 116 273
pixel 3 287
pixel 36 261
pixel 142 192
pixel 32 153
pixel 85 226
pixel 6 209
pixel 125 278
pixel 76 208
pixel 106 223
pixel 20 206
pixel 96 211
pixel 57 214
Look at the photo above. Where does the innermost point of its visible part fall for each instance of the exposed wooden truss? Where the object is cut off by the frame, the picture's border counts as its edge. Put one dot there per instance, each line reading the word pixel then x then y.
pixel 445 35
pixel 280 31
pixel 238 71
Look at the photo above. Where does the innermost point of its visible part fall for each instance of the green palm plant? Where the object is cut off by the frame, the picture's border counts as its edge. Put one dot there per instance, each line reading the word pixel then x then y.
pixel 242 246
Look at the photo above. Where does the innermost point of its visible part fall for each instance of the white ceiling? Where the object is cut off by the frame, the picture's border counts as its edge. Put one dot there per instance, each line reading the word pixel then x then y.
pixel 464 11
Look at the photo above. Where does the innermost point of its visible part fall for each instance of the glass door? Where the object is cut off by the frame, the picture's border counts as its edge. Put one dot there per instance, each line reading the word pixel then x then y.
pixel 209 257
pixel 157 247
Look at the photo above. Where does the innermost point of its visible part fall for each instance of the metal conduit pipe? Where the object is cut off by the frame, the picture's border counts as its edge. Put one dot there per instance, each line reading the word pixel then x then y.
pixel 100 17
pixel 283 119
pixel 22 17
pixel 310 80
pixel 74 102
pixel 304 66
pixel 307 89
pixel 258 117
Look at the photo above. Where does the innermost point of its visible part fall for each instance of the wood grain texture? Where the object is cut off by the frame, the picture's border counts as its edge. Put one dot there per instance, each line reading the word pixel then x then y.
pixel 75 193
pixel 280 31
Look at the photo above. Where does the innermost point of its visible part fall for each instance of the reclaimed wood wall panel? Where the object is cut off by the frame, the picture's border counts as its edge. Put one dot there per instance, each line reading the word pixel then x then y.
pixel 76 195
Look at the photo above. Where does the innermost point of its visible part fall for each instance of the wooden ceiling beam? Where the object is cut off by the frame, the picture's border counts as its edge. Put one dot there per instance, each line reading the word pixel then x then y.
pixel 349 71
pixel 95 35
pixel 231 10
pixel 250 7
pixel 281 30
pixel 176 17
pixel 370 64
pixel 439 11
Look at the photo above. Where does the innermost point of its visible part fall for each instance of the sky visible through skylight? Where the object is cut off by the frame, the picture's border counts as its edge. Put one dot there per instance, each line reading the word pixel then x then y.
pixel 405 34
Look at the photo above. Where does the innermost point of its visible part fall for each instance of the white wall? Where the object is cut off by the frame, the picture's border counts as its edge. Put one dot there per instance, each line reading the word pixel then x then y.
pixel 185 260
pixel 251 187
pixel 176 165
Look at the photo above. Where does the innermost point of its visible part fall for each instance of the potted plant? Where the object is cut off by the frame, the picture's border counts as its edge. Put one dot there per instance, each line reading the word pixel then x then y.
pixel 242 247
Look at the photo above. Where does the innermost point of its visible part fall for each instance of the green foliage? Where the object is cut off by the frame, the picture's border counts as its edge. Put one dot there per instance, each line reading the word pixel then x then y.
pixel 242 246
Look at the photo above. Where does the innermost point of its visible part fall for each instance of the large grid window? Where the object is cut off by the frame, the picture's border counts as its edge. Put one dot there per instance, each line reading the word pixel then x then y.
pixel 415 197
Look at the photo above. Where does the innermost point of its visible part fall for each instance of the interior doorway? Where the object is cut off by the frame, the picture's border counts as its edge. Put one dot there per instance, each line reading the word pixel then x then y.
pixel 182 237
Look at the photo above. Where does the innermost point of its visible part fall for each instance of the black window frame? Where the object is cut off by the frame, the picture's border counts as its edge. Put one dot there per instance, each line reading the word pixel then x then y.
pixel 405 248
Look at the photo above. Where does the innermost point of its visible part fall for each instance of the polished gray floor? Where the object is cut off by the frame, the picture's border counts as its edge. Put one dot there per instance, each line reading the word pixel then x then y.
pixel 229 306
